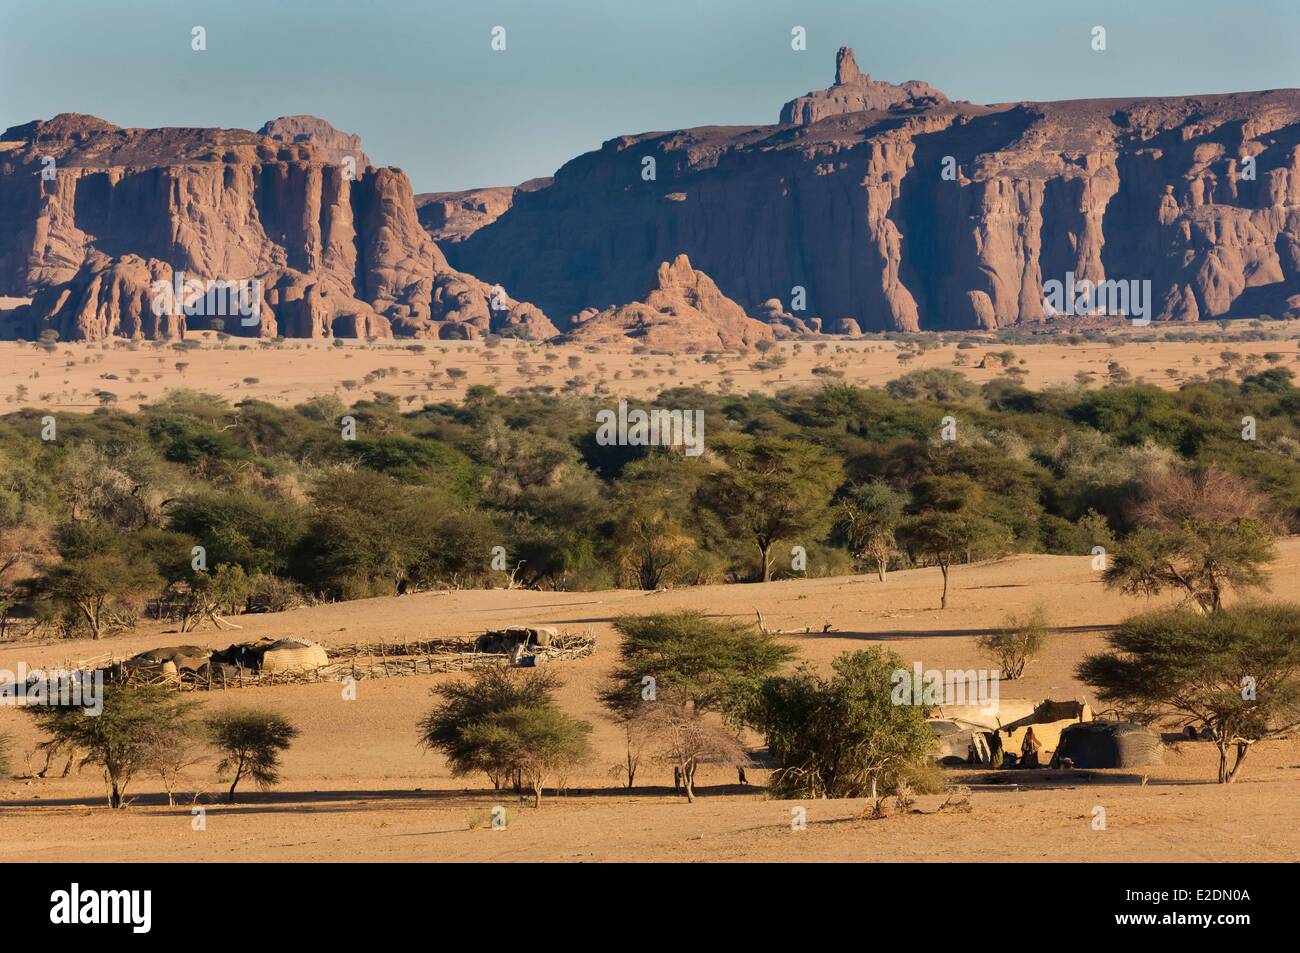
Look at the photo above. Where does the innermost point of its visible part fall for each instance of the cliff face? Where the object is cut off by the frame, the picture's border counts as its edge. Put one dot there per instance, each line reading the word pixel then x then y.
pixel 336 252
pixel 871 207
pixel 454 216
pixel 930 214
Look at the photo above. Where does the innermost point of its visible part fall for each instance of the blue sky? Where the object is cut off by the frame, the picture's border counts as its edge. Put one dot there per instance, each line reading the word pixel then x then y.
pixel 421 85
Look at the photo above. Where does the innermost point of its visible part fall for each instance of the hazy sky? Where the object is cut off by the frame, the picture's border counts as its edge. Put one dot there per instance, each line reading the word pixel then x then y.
pixel 421 85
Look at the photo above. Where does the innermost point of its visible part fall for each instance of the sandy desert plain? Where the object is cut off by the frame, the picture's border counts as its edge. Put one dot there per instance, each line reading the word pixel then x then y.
pixel 356 785
pixel 287 372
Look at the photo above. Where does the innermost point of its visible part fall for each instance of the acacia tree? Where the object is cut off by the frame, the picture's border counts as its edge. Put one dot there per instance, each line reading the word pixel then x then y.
pixel 170 749
pixel 204 596
pixel 98 588
pixel 118 483
pixel 638 737
pixel 1208 494
pixel 122 737
pixel 842 736
pixel 869 515
pixel 685 737
pixel 16 545
pixel 651 508
pixel 1202 559
pixel 485 694
pixel 945 537
pixel 1202 532
pixel 679 677
pixel 711 664
pixel 375 535
pixel 650 543
pixel 251 741
pixel 1236 670
pixel 536 741
pixel 772 490
pixel 952 523
pixel 1017 642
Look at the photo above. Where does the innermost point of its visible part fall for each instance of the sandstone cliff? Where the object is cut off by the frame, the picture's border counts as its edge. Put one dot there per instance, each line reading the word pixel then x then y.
pixel 454 216
pixel 92 214
pixel 871 207
pixel 930 214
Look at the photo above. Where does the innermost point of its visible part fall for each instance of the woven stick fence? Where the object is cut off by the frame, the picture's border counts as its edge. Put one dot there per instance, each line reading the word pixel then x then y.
pixel 358 661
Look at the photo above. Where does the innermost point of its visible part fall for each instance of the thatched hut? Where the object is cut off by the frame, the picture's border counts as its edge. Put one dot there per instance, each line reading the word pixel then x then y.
pixel 292 655
pixel 1110 744
pixel 272 655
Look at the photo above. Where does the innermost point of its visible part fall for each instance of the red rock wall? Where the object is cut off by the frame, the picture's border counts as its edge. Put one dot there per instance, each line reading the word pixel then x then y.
pixel 853 208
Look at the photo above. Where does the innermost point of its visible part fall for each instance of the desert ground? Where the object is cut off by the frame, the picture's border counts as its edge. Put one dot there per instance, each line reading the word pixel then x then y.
pixel 357 787
pixel 71 376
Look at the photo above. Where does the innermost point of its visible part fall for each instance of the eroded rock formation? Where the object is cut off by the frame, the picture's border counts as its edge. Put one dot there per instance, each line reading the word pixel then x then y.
pixel 682 310
pixel 331 145
pixel 854 91
pixel 871 207
pixel 930 214
pixel 454 216
pixel 93 214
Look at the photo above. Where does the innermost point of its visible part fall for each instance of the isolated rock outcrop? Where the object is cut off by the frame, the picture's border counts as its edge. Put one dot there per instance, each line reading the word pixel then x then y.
pixel 108 296
pixel 855 91
pixel 785 324
pixel 683 310
pixel 88 208
pixel 466 308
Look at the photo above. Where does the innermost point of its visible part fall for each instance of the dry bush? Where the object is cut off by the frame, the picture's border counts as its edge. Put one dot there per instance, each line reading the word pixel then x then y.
pixel 1208 495
pixel 1015 645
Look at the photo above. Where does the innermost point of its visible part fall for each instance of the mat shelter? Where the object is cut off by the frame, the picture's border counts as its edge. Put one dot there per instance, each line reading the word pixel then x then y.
pixel 1109 744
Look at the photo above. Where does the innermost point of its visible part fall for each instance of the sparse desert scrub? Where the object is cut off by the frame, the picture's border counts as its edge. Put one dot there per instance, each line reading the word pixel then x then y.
pixel 842 736
pixel 122 738
pixel 250 742
pixel 1020 640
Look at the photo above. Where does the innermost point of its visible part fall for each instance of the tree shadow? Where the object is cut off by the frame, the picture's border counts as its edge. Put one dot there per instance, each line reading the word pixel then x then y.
pixel 886 635
pixel 263 802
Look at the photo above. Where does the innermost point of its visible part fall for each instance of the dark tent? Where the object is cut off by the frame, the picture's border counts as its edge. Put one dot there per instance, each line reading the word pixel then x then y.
pixel 1110 744
pixel 181 658
pixel 954 741
pixel 505 640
